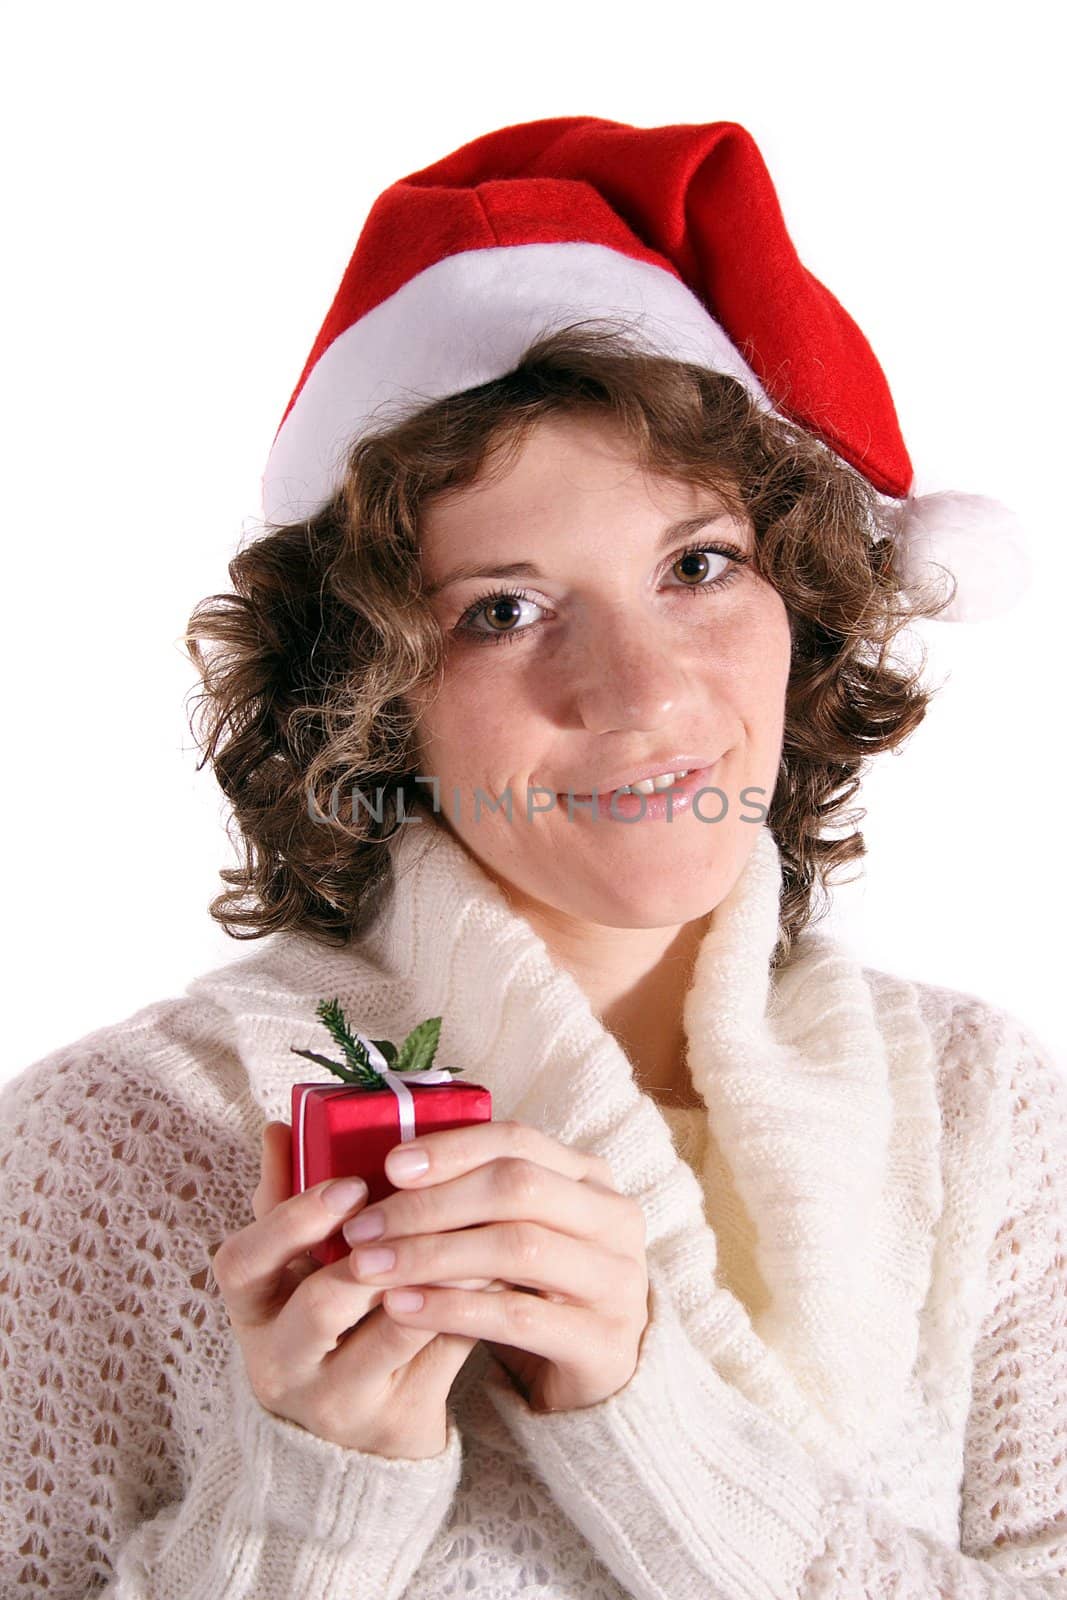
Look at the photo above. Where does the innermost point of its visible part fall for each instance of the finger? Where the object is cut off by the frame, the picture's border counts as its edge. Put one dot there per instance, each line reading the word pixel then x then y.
pixel 331 1314
pixel 250 1265
pixel 275 1185
pixel 510 1188
pixel 578 1341
pixel 452 1151
pixel 275 1178
pixel 384 1347
pixel 464 1283
pixel 397 1345
pixel 519 1253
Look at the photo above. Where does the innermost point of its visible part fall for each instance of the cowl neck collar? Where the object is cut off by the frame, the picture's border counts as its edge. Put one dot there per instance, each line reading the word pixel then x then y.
pixel 820 1088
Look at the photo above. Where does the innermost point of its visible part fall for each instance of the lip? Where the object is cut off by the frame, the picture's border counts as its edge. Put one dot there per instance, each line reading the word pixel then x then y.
pixel 619 780
pixel 668 803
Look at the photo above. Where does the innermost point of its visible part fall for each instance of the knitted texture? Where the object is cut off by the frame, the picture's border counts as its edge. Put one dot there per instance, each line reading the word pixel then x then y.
pixel 854 1376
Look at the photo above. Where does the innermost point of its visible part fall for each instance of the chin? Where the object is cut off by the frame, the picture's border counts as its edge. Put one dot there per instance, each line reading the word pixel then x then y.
pixel 626 888
pixel 667 901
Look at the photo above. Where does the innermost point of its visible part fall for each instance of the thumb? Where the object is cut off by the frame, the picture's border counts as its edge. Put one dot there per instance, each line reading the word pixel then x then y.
pixel 275 1185
pixel 275 1180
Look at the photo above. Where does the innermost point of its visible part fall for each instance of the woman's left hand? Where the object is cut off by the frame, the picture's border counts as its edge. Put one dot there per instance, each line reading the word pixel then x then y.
pixel 504 1201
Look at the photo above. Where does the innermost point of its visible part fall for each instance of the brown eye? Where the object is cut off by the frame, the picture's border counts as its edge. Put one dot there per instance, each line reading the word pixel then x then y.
pixel 695 563
pixel 491 616
pixel 500 613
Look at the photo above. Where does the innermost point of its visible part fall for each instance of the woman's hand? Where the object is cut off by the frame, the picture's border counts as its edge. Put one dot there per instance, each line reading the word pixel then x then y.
pixel 503 1201
pixel 317 1347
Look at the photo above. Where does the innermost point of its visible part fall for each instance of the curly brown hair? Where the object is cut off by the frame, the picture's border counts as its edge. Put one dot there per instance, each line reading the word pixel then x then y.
pixel 327 645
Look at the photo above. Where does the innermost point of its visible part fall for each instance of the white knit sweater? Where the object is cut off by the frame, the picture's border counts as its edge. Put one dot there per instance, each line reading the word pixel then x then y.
pixel 853 1381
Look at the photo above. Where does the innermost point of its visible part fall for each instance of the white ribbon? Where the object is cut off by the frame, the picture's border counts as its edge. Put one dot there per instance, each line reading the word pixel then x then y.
pixel 398 1082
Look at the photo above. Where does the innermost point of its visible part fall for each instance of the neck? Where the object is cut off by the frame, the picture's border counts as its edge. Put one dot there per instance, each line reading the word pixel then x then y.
pixel 636 980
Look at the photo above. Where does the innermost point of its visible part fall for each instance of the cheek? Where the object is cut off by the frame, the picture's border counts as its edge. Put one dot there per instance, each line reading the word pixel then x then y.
pixel 776 653
pixel 475 720
pixel 757 652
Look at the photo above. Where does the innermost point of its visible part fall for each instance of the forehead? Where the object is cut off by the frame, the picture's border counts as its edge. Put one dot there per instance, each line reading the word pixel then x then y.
pixel 563 466
pixel 521 520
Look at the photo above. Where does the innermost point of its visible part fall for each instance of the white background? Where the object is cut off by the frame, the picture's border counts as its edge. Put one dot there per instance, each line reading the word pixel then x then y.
pixel 182 189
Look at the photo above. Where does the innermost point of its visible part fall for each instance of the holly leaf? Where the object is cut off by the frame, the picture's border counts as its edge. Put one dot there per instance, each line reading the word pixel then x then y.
pixel 417 1051
pixel 416 1054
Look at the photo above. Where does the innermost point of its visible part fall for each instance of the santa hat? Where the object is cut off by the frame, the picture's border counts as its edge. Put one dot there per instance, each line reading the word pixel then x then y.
pixel 678 230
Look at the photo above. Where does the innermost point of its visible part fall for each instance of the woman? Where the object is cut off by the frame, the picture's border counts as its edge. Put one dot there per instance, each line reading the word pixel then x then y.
pixel 754 1284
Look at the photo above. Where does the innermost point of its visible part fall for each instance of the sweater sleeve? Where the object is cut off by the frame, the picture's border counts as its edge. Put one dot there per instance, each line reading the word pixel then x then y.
pixel 135 1459
pixel 685 1488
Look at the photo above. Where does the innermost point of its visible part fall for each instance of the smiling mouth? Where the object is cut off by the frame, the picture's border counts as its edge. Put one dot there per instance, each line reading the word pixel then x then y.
pixel 647 786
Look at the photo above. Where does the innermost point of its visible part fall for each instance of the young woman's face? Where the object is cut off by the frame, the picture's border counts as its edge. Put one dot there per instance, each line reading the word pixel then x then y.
pixel 617 656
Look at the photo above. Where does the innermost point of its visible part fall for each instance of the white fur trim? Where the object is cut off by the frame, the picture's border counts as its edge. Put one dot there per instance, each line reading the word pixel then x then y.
pixel 980 541
pixel 465 321
pixel 470 317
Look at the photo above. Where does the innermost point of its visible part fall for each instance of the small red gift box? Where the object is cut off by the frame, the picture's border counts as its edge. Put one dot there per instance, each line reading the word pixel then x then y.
pixel 340 1132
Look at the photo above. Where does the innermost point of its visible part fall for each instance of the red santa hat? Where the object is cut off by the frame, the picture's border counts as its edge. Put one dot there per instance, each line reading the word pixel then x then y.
pixel 677 230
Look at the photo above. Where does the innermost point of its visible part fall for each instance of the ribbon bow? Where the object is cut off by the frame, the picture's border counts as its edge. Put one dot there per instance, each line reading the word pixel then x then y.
pixel 398 1082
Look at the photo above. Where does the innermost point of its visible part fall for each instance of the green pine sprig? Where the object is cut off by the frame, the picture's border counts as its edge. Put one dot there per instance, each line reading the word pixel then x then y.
pixel 414 1055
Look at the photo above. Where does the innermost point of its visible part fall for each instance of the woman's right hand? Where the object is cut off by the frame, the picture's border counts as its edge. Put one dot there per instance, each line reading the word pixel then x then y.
pixel 318 1346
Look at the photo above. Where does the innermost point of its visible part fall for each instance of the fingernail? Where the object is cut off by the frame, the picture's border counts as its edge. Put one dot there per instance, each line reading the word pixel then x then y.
pixel 406 1163
pixel 368 1225
pixel 372 1261
pixel 404 1300
pixel 342 1196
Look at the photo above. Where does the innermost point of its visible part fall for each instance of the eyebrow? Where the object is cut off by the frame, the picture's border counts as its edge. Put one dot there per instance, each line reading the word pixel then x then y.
pixel 527 569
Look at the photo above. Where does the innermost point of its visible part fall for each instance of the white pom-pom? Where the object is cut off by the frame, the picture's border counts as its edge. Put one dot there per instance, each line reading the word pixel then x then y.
pixel 981 542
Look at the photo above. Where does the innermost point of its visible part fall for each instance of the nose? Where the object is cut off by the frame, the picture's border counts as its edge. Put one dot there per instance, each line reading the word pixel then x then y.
pixel 625 678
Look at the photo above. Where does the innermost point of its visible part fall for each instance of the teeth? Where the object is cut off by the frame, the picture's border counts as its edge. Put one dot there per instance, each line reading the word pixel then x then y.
pixel 650 785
